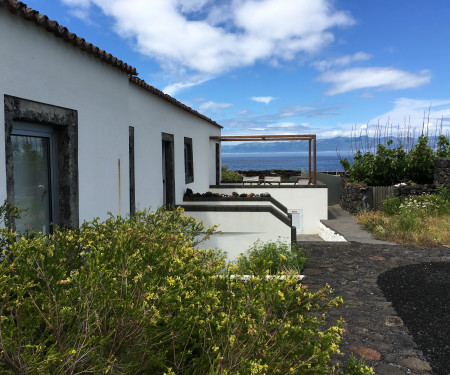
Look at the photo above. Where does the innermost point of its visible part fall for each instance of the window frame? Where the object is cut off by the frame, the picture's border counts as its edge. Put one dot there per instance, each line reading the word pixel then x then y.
pixel 188 160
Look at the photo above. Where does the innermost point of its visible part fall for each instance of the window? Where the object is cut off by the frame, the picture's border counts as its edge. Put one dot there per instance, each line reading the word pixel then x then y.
pixel 188 160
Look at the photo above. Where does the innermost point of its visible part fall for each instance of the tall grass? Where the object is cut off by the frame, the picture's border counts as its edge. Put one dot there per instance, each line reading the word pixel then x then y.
pixel 423 220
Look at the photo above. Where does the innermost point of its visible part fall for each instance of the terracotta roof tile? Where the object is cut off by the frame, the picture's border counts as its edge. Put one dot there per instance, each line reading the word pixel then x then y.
pixel 155 91
pixel 62 32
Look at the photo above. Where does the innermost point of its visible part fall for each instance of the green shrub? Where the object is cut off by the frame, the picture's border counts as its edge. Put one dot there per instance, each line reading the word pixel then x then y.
pixel 229 175
pixel 271 258
pixel 443 149
pixel 133 296
pixel 391 205
pixel 356 366
pixel 384 168
pixel 388 166
pixel 408 221
pixel 420 162
pixel 444 194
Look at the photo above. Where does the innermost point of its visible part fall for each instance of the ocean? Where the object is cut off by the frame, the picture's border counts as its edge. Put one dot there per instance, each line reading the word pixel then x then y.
pixel 326 161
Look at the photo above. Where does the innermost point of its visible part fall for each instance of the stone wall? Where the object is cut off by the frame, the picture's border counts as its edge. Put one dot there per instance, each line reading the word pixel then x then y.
pixel 355 197
pixel 405 190
pixel 442 172
pixel 358 197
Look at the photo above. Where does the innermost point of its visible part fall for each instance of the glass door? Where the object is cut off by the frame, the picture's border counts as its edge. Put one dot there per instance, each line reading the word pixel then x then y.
pixel 32 174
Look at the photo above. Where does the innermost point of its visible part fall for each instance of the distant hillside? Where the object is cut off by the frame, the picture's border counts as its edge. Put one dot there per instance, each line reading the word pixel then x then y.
pixel 340 144
pixel 330 144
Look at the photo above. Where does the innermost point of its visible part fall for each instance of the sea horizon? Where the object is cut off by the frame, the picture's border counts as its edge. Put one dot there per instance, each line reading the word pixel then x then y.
pixel 326 161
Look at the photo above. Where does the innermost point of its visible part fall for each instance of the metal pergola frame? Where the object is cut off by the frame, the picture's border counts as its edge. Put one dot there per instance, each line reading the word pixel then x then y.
pixel 259 138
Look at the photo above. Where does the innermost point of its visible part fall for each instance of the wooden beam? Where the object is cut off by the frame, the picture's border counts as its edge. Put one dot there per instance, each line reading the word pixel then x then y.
pixel 261 138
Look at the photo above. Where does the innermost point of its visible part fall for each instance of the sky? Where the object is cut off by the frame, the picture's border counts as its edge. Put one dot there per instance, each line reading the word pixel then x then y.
pixel 325 67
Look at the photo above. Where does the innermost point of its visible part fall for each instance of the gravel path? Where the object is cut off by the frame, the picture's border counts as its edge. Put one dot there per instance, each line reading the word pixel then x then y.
pixel 387 331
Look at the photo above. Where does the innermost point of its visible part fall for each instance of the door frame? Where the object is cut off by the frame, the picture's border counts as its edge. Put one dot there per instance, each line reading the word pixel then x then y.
pixel 217 151
pixel 64 122
pixel 43 131
pixel 168 169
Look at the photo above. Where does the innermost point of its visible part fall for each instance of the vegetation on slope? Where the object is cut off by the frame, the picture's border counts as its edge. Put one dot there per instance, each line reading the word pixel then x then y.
pixel 135 296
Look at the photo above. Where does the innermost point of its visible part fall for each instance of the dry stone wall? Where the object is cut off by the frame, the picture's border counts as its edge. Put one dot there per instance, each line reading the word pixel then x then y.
pixel 442 172
pixel 355 197
pixel 413 189
pixel 358 197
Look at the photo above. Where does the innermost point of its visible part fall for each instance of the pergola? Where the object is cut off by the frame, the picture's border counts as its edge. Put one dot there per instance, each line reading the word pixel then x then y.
pixel 258 138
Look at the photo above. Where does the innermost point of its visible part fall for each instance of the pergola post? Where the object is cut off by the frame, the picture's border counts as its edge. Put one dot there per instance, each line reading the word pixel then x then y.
pixel 309 160
pixel 315 160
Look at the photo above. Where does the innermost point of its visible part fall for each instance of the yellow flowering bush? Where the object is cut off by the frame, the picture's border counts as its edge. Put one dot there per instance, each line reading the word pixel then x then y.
pixel 135 295
pixel 272 258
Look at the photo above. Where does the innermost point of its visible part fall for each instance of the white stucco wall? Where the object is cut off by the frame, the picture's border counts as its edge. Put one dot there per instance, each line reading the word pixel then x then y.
pixel 36 65
pixel 241 230
pixel 313 202
pixel 152 116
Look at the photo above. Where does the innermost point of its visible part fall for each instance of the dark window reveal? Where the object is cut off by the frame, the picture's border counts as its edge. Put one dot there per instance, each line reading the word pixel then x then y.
pixel 188 160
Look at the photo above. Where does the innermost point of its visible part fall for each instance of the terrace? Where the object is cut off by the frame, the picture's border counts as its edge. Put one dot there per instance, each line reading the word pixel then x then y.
pixel 264 207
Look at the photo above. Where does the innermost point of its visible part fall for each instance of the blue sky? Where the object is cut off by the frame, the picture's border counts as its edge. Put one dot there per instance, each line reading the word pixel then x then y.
pixel 281 66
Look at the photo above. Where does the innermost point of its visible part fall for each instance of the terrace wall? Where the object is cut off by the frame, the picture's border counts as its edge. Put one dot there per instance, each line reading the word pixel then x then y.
pixel 311 199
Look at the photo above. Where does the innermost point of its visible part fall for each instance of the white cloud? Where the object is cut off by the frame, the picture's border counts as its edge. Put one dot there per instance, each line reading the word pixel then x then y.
pixel 78 3
pixel 174 88
pixel 213 107
pixel 407 116
pixel 283 125
pixel 373 78
pixel 342 61
pixel 263 99
pixel 212 37
pixel 80 9
pixel 415 113
pixel 332 133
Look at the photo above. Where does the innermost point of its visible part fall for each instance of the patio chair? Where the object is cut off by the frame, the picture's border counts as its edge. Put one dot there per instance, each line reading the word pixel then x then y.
pixel 250 180
pixel 270 179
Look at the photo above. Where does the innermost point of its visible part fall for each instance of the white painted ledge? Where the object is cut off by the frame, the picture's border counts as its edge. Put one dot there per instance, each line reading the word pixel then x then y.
pixel 329 235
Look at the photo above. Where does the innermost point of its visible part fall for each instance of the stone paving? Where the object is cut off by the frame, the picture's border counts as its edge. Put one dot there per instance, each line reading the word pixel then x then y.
pixel 373 329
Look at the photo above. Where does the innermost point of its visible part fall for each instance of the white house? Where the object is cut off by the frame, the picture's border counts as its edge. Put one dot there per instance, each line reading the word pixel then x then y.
pixel 83 135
